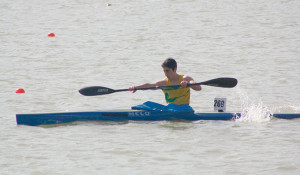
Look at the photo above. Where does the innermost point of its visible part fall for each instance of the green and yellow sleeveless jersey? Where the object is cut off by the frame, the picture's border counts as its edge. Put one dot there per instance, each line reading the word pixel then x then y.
pixel 177 95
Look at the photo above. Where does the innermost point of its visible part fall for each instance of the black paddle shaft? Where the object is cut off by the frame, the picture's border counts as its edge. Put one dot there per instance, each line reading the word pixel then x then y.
pixel 100 90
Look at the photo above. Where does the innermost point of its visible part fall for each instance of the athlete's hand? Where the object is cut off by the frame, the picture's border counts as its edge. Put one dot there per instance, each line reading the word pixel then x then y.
pixel 132 88
pixel 184 84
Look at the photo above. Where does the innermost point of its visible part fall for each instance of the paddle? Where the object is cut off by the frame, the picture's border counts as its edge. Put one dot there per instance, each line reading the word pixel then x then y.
pixel 99 90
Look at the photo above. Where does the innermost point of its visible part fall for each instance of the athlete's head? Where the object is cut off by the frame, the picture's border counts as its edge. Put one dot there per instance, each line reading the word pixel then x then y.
pixel 170 63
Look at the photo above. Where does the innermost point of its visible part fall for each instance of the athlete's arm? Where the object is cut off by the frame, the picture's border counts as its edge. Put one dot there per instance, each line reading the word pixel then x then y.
pixel 158 83
pixel 189 80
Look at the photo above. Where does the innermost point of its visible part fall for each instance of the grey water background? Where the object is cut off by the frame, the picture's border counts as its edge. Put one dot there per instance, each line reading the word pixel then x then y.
pixel 124 44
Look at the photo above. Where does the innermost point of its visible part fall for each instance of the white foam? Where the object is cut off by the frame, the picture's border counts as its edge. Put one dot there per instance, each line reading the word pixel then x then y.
pixel 287 109
pixel 253 109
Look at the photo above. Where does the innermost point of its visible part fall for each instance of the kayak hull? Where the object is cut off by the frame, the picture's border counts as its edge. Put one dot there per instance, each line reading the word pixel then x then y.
pixel 134 115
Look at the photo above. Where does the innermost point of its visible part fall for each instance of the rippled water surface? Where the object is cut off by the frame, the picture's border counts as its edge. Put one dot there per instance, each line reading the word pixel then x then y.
pixel 124 44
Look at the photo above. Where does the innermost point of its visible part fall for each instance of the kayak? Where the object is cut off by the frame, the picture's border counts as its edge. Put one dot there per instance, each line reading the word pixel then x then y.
pixel 117 116
pixel 148 111
pixel 135 115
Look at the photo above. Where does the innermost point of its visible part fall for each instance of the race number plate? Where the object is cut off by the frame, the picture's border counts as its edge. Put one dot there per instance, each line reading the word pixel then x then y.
pixel 220 104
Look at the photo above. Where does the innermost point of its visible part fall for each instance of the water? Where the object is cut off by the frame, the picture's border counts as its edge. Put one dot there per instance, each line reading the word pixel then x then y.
pixel 117 46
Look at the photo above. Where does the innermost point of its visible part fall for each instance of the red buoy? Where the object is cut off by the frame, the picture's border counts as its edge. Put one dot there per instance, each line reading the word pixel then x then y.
pixel 51 35
pixel 20 91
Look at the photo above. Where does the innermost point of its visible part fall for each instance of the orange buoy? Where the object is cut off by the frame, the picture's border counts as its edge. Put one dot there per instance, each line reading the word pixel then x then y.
pixel 51 35
pixel 20 91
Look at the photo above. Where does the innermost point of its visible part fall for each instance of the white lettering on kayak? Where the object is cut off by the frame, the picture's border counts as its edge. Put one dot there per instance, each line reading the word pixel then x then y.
pixel 139 113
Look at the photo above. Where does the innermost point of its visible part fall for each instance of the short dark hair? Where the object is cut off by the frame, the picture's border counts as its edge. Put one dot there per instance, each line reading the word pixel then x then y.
pixel 170 63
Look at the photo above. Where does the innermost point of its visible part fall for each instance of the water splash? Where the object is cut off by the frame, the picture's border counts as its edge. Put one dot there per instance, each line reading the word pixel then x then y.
pixel 287 109
pixel 253 110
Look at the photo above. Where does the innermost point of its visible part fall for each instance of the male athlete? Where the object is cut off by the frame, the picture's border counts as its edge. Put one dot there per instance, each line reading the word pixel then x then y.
pixel 177 96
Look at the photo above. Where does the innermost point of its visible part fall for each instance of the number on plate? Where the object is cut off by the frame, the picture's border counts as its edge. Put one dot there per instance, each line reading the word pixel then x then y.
pixel 220 104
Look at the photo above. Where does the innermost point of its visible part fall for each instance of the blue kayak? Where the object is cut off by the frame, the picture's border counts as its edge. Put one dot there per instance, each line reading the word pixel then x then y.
pixel 148 111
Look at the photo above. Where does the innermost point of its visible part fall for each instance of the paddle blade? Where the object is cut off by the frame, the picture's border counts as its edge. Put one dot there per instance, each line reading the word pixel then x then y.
pixel 221 82
pixel 95 90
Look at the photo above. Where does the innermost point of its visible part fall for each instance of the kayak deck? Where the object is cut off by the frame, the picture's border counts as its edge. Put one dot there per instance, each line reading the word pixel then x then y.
pixel 135 115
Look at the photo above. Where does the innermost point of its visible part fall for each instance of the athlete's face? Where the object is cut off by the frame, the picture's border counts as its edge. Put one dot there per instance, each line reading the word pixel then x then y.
pixel 169 72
